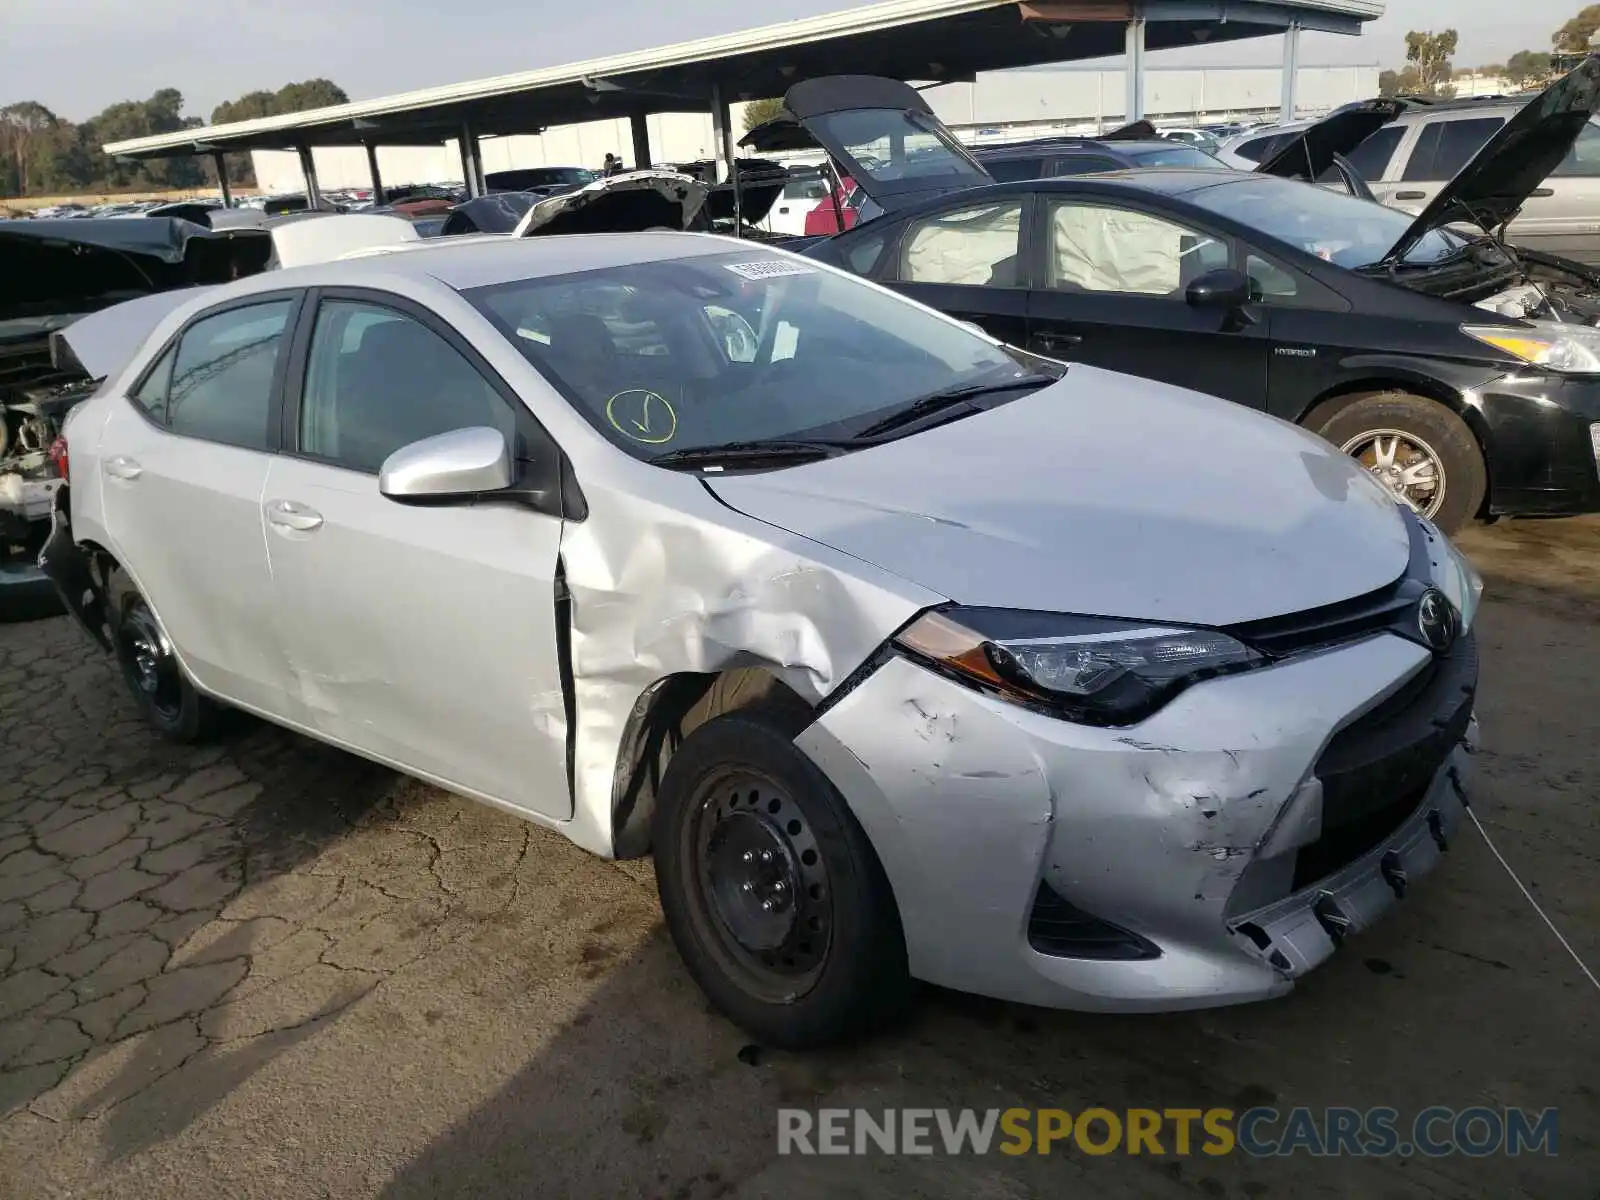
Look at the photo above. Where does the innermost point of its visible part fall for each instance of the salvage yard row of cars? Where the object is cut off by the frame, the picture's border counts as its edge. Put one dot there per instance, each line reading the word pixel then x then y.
pixel 1008 661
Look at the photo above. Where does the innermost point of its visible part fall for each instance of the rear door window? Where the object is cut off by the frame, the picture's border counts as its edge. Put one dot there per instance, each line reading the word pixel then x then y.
pixel 1084 164
pixel 1373 156
pixel 1444 147
pixel 977 246
pixel 222 377
pixel 1010 170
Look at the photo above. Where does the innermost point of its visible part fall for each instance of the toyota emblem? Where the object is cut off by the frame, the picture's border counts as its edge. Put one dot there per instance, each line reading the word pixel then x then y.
pixel 1436 620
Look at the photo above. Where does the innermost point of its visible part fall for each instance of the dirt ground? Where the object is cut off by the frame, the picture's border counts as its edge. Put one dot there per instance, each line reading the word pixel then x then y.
pixel 267 969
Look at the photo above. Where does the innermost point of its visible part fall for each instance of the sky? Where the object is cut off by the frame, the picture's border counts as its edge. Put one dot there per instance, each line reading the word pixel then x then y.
pixel 77 56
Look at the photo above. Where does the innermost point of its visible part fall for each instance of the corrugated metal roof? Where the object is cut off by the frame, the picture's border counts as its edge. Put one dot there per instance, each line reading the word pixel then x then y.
pixel 349 123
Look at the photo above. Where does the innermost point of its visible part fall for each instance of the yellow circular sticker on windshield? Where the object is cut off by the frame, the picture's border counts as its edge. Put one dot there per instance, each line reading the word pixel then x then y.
pixel 642 415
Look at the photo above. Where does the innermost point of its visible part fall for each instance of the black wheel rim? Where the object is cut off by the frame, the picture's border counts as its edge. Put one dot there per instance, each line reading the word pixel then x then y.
pixel 150 663
pixel 759 886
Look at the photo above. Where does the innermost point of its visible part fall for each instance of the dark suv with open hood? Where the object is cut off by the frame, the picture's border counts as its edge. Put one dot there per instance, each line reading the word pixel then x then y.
pixel 1463 373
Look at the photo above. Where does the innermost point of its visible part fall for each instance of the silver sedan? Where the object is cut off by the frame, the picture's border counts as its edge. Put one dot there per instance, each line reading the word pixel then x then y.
pixel 906 654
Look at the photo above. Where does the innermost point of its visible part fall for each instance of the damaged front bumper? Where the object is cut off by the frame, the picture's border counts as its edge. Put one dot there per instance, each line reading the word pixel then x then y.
pixel 1208 856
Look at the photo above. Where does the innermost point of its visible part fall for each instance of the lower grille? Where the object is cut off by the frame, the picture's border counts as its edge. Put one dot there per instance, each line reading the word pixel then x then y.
pixel 1376 770
pixel 1059 928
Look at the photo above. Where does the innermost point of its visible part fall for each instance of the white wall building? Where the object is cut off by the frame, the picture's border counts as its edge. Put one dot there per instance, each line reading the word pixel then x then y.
pixel 1049 99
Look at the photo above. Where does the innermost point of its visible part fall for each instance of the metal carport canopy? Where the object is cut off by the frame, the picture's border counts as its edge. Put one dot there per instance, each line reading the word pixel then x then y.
pixel 915 40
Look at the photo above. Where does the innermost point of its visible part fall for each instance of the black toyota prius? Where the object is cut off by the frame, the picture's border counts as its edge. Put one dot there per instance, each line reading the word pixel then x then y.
pixel 1464 374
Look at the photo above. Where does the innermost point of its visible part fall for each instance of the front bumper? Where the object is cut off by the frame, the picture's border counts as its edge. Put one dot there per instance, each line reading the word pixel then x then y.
pixel 1192 832
pixel 1543 458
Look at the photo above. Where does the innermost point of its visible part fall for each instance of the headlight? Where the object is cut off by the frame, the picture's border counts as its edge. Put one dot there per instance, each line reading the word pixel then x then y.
pixel 1569 349
pixel 1454 575
pixel 1087 669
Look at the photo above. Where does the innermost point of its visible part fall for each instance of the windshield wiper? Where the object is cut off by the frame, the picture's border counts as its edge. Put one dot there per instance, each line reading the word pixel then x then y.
pixel 772 450
pixel 950 398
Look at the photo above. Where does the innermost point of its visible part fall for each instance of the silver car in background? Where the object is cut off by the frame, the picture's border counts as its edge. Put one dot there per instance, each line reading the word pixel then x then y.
pixel 907 655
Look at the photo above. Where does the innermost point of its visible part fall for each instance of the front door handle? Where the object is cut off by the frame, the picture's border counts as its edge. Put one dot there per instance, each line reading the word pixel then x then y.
pixel 1542 193
pixel 289 514
pixel 122 467
pixel 1411 195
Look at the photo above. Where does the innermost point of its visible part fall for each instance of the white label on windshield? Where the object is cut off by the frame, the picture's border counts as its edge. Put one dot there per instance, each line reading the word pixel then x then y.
pixel 769 268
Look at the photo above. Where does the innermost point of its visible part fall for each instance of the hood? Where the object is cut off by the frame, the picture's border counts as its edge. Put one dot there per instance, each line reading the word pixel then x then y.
pixel 852 117
pixel 1088 497
pixel 1492 188
pixel 71 267
pixel 625 203
pixel 1325 144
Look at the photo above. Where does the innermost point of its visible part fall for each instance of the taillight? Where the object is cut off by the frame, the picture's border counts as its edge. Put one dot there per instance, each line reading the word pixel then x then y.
pixel 58 455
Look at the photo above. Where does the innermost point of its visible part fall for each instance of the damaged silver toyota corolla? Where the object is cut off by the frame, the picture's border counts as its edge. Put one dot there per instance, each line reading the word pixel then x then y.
pixel 907 655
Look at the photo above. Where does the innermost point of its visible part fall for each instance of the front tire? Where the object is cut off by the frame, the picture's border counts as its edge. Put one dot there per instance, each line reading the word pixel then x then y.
pixel 1423 453
pixel 155 677
pixel 772 892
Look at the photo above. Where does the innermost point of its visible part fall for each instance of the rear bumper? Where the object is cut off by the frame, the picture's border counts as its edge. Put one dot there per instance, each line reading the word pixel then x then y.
pixel 71 574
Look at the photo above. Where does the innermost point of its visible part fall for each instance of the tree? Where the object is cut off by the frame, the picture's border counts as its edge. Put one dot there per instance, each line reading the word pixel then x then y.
pixel 1574 36
pixel 1430 54
pixel 1528 66
pixel 41 153
pixel 291 97
pixel 22 126
pixel 759 112
pixel 1399 83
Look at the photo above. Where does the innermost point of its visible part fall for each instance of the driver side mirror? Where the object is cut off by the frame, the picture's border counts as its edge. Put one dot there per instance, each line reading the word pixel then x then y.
pixel 449 467
pixel 1224 289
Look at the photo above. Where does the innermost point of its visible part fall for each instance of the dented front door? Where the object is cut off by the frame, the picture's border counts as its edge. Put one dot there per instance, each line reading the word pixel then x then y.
pixel 425 636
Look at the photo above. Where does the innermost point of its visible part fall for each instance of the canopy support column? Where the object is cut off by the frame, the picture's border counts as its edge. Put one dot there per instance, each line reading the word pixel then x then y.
pixel 308 168
pixel 640 125
pixel 377 177
pixel 1291 69
pixel 471 160
pixel 1133 70
pixel 221 160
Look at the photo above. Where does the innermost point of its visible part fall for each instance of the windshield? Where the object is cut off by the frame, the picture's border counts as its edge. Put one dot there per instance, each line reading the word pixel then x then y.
pixel 738 346
pixel 1336 227
pixel 1176 156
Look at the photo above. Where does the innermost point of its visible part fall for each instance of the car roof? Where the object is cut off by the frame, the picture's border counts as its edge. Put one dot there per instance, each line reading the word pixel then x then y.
pixel 1166 181
pixel 468 262
pixel 1045 145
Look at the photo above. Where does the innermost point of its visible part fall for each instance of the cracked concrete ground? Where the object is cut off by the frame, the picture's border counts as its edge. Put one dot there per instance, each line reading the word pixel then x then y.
pixel 266 968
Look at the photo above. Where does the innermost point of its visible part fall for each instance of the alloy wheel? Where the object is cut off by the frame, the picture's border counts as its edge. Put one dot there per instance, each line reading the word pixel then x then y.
pixel 1409 468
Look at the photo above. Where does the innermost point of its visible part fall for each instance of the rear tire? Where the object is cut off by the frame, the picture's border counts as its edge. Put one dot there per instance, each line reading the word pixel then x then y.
pixel 155 677
pixel 772 892
pixel 1417 448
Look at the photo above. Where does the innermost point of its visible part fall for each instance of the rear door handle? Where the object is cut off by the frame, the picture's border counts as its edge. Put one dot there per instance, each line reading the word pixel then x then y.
pixel 122 467
pixel 289 514
pixel 1542 192
pixel 1411 195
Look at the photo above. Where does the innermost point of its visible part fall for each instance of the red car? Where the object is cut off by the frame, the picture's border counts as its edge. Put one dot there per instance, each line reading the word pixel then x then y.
pixel 823 220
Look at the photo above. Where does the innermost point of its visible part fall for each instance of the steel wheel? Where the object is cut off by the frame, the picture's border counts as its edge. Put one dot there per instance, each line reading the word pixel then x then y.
pixel 1406 465
pixel 153 666
pixel 761 885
